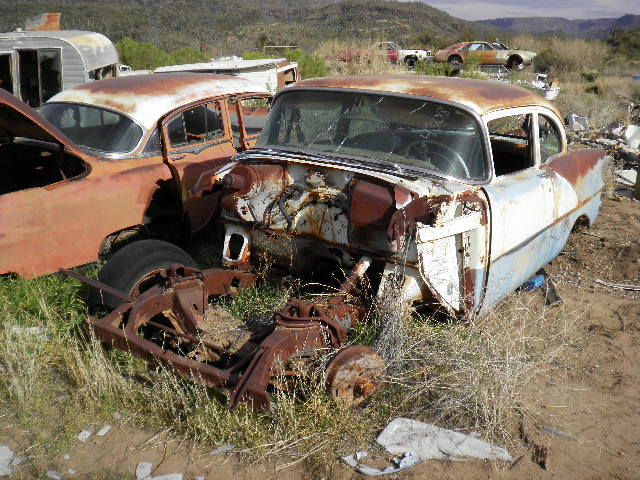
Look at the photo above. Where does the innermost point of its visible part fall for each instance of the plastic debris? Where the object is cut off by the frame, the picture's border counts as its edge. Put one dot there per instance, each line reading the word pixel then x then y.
pixel 103 431
pixel 627 177
pixel 19 460
pixel 578 123
pixel 535 281
pixel 35 332
pixel 84 435
pixel 222 449
pixel 418 441
pixel 71 471
pixel 632 136
pixel 621 286
pixel 557 432
pixel 200 477
pixel 6 455
pixel 53 475
pixel 399 464
pixel 66 456
pixel 143 470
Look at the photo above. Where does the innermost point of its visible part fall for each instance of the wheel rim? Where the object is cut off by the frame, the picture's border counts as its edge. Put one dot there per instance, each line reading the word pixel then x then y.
pixel 354 375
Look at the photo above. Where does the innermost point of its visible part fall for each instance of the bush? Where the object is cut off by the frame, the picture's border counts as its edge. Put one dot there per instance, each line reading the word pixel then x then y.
pixel 145 56
pixel 311 66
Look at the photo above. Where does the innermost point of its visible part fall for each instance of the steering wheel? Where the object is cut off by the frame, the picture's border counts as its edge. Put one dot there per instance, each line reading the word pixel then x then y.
pixel 438 155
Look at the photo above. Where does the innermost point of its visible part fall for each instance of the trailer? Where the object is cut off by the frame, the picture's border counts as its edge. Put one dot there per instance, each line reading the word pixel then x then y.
pixel 35 65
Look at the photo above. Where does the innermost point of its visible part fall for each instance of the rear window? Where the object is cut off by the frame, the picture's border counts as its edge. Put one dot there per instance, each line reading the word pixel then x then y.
pixel 93 127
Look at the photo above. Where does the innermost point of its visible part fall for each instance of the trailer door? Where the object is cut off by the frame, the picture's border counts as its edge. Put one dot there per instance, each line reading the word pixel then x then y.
pixel 40 75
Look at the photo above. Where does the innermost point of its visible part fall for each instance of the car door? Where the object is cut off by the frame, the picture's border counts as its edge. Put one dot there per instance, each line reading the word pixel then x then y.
pixel 197 141
pixel 522 204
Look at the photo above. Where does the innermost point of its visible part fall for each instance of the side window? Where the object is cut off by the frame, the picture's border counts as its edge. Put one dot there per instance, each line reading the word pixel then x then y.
pixel 550 138
pixel 153 146
pixel 510 143
pixel 199 124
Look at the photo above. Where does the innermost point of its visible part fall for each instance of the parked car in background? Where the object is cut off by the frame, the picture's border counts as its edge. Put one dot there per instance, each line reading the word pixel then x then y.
pixel 485 53
pixel 456 190
pixel 116 159
pixel 408 56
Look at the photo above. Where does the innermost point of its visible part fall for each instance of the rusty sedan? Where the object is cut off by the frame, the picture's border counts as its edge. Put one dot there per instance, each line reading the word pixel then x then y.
pixel 484 53
pixel 115 159
pixel 465 187
pixel 446 191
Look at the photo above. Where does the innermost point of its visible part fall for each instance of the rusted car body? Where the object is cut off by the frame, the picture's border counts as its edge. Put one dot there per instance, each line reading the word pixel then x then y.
pixel 446 191
pixel 463 188
pixel 112 158
pixel 484 53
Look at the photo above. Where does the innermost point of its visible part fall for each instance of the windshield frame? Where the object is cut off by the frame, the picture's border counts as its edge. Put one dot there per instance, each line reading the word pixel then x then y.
pixel 388 166
pixel 96 152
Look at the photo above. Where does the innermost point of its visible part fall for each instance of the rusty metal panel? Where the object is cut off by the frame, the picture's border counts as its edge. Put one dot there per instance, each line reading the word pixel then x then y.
pixel 482 96
pixel 43 21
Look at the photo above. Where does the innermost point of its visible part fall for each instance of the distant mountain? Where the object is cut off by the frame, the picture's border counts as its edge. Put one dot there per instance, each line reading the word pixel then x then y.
pixel 243 24
pixel 593 28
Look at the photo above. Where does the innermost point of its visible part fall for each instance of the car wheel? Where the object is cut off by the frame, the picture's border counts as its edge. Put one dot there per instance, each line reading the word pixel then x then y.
pixel 515 63
pixel 134 268
pixel 410 62
pixel 455 60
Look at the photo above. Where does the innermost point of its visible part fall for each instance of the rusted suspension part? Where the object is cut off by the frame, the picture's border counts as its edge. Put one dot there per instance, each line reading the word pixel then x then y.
pixel 181 294
pixel 354 375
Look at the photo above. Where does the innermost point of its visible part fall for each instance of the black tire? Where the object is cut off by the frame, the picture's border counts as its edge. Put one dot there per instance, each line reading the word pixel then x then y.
pixel 132 263
pixel 410 62
pixel 515 63
pixel 455 60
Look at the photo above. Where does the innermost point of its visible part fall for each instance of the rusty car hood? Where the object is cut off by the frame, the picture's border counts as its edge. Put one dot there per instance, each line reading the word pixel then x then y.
pixel 17 119
pixel 423 185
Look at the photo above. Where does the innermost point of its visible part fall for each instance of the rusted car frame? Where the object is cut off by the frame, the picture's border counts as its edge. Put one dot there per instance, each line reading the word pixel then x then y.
pixel 167 324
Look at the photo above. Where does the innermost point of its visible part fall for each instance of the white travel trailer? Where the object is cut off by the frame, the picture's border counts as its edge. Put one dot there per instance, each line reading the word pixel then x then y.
pixel 35 65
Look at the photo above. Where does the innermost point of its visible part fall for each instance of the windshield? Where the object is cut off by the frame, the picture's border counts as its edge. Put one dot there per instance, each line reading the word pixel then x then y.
pixel 94 127
pixel 396 132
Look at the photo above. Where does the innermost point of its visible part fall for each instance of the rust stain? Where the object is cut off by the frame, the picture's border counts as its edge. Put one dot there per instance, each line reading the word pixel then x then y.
pixel 43 22
pixel 482 95
pixel 576 164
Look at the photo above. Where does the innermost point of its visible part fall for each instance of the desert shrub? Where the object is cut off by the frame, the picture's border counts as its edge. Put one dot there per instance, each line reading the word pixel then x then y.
pixel 567 58
pixel 436 69
pixel 311 65
pixel 145 56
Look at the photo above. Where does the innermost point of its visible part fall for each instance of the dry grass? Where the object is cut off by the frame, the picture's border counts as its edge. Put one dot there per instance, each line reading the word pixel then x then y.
pixel 460 376
pixel 372 64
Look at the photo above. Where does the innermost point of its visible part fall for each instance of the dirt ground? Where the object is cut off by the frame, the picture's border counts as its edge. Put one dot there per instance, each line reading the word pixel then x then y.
pixel 587 427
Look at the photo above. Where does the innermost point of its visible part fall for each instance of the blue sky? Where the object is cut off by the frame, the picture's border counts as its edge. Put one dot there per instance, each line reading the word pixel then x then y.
pixel 484 9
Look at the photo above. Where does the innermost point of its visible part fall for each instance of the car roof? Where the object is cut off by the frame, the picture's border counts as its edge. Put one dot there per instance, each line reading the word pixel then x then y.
pixel 481 96
pixel 146 98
